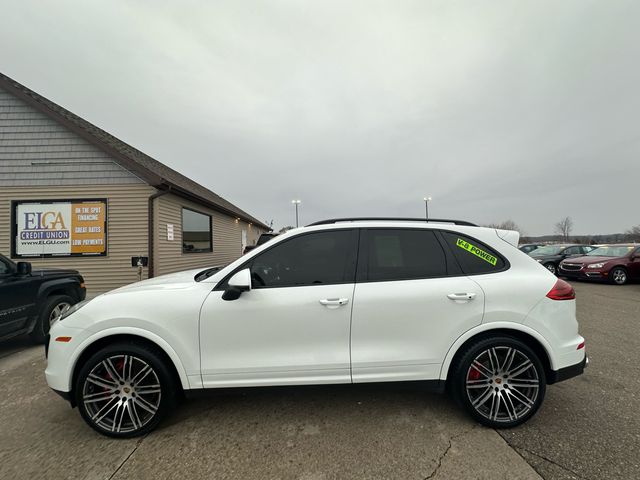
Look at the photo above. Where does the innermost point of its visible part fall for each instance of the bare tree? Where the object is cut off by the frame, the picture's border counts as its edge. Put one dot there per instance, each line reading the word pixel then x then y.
pixel 634 233
pixel 285 229
pixel 564 227
pixel 506 225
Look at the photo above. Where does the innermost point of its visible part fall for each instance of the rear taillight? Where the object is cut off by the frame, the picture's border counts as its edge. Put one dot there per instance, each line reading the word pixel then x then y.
pixel 562 291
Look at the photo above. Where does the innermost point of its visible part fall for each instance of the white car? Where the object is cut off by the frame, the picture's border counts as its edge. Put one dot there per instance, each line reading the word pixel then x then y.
pixel 452 305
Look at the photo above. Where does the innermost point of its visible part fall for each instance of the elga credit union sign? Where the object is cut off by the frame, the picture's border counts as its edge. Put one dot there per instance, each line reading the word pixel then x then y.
pixel 60 228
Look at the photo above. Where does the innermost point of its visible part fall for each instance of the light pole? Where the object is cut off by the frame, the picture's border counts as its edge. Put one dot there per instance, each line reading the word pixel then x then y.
pixel 426 207
pixel 296 203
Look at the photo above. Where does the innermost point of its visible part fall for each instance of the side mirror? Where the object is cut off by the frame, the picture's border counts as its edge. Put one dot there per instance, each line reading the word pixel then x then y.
pixel 240 282
pixel 24 268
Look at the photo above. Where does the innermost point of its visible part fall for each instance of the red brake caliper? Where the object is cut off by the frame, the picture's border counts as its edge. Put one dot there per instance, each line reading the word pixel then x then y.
pixel 119 368
pixel 474 374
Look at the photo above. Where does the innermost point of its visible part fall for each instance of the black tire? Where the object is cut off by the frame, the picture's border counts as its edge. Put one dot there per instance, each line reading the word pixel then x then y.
pixel 96 399
pixel 43 323
pixel 551 267
pixel 618 276
pixel 499 389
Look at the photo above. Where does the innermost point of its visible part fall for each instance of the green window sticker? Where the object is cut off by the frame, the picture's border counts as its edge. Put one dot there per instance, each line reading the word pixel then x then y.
pixel 478 252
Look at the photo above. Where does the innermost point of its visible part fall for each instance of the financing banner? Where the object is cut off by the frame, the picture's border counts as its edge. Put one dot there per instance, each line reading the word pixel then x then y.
pixel 60 228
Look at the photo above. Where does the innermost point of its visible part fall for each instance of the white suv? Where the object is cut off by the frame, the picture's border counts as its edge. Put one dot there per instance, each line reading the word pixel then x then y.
pixel 446 303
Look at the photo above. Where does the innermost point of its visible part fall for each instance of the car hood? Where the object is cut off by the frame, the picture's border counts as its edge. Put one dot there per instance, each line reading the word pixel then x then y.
pixel 53 272
pixel 589 259
pixel 170 281
pixel 544 258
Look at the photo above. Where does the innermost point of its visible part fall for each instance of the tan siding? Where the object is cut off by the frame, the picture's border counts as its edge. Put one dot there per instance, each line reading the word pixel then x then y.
pixel 36 150
pixel 126 231
pixel 226 237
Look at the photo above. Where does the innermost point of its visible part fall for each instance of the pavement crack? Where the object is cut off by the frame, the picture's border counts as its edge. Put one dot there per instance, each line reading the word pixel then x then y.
pixel 138 443
pixel 542 457
pixel 446 451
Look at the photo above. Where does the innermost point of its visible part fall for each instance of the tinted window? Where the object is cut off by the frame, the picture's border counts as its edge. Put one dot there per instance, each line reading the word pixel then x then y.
pixel 573 250
pixel 4 268
pixel 402 254
pixel 196 232
pixel 314 259
pixel 473 256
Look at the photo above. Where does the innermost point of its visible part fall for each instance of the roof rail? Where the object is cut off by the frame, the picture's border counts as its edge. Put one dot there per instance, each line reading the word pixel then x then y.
pixel 396 219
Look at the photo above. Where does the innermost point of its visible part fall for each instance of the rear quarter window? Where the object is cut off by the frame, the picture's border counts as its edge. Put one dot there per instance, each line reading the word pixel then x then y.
pixel 473 256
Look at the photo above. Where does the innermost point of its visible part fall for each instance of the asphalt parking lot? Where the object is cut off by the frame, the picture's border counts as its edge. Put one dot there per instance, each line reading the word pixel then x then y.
pixel 588 427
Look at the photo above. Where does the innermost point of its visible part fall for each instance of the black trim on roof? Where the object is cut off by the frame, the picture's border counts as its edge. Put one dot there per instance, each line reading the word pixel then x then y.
pixel 392 219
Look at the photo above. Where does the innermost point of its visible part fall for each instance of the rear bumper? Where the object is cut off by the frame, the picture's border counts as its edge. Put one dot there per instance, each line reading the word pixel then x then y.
pixel 568 372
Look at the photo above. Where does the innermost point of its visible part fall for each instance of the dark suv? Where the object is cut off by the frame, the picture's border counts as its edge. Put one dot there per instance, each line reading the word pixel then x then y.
pixel 31 299
pixel 551 255
pixel 616 263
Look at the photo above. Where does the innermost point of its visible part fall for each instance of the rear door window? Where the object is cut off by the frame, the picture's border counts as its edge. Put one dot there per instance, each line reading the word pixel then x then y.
pixel 401 254
pixel 474 256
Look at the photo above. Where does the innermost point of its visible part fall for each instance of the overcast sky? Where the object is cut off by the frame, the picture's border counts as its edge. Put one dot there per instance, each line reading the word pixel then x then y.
pixel 523 110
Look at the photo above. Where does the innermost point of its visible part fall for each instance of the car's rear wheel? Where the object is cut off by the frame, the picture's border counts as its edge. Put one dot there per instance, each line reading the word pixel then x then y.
pixel 551 267
pixel 618 276
pixel 125 390
pixel 500 381
pixel 53 307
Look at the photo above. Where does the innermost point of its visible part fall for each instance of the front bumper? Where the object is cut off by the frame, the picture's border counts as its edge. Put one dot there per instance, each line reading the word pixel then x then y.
pixel 584 273
pixel 568 372
pixel 61 355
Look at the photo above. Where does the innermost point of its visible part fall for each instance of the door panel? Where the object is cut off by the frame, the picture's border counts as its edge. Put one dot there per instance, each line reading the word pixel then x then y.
pixel 276 336
pixel 293 326
pixel 410 304
pixel 402 330
pixel 17 300
pixel 634 266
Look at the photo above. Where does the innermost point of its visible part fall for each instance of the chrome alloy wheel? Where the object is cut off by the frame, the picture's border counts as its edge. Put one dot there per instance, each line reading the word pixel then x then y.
pixel 58 310
pixel 551 267
pixel 502 384
pixel 121 394
pixel 619 276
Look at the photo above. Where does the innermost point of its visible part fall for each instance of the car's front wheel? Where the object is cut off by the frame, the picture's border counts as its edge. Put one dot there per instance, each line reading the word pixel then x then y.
pixel 53 307
pixel 125 389
pixel 618 276
pixel 500 381
pixel 551 267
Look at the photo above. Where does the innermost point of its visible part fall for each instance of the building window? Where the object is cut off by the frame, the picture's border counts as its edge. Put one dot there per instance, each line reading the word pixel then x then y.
pixel 197 232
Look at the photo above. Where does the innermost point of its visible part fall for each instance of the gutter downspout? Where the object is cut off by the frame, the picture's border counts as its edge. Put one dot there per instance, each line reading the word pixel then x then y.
pixel 151 229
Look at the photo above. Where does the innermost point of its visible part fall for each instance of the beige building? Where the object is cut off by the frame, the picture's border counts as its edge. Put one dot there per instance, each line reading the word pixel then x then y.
pixel 74 196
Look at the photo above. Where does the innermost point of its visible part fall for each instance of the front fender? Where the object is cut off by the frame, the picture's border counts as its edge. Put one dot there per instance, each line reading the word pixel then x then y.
pixel 186 381
pixel 47 286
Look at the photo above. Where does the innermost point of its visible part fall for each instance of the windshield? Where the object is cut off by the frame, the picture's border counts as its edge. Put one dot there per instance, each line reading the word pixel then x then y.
pixel 619 251
pixel 548 250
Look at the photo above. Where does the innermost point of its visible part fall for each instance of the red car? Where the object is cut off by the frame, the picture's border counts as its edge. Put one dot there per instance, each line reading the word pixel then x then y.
pixel 616 263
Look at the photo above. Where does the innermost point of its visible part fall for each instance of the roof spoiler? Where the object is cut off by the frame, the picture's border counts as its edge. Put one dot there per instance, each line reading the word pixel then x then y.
pixel 509 236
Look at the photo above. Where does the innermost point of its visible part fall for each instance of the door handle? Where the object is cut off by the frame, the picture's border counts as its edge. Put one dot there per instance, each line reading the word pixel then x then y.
pixel 334 302
pixel 464 297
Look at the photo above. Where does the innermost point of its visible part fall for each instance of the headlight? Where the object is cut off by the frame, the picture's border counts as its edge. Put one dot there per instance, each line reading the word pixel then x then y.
pixel 596 265
pixel 539 261
pixel 72 309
